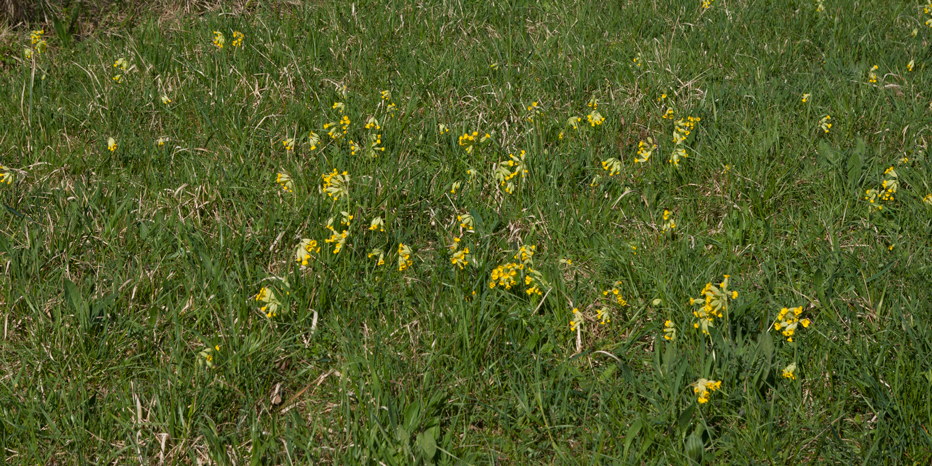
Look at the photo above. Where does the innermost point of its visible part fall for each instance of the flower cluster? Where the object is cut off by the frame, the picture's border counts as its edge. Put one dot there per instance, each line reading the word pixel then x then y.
pixel 703 387
pixel 38 43
pixel 459 257
pixel 681 130
pixel 504 275
pixel 825 124
pixel 505 172
pixel 887 189
pixel 871 75
pixel 336 185
pixel 577 320
pixel 645 150
pixel 594 117
pixel 469 140
pixel 111 144
pixel 219 39
pixel 616 294
pixel 669 330
pixel 790 371
pixel 788 320
pixel 533 110
pixel 806 98
pixel 668 223
pixel 377 224
pixel 404 257
pixel 270 302
pixel 714 303
pixel 286 182
pixel 612 166
pixel 377 252
pixel 238 39
pixel 303 252
pixel 6 176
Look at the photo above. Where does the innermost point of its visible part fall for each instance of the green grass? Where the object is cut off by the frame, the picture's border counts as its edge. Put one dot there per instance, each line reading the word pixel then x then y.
pixel 120 269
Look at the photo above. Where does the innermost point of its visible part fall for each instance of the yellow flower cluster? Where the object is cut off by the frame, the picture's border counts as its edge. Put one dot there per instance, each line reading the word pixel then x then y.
pixel 706 3
pixel 377 252
pixel 377 224
pixel 505 172
pixel 468 141
pixel 887 189
pixel 927 199
pixel 824 123
pixel 286 182
pixel 238 39
pixel 645 150
pixel 788 320
pixel 704 387
pixel 404 257
pixel 39 44
pixel 271 304
pixel 669 224
pixel 790 371
pixel 466 222
pixel 806 97
pixel 577 320
pixel 669 330
pixel 612 166
pixel 603 316
pixel 533 110
pixel 206 357
pixel 219 39
pixel 6 176
pixel 288 144
pixel 504 275
pixel 460 257
pixel 111 144
pixel 338 239
pixel 714 303
pixel 871 75
pixel 681 130
pixel 616 294
pixel 336 185
pixel 303 252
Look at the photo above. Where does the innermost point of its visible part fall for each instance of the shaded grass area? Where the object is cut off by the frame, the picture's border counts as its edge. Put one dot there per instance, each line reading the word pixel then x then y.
pixel 123 268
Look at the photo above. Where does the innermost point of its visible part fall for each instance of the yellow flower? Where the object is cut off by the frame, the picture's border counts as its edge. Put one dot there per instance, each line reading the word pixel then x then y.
pixel 824 123
pixel 336 185
pixel 219 40
pixel 286 182
pixel 121 64
pixel 36 36
pixel 871 75
pixel 288 144
pixel 161 141
pixel 313 139
pixel 377 252
pixel 703 388
pixel 338 240
pixel 595 118
pixel 6 176
pixel 466 221
pixel 27 53
pixel 404 257
pixel 615 292
pixel 612 165
pixel 788 321
pixel 166 100
pixel 111 144
pixel 668 115
pixel 270 301
pixel 377 224
pixel 790 371
pixel 669 223
pixel 118 78
pixel 305 248
pixel 909 66
pixel 442 128
pixel 806 97
pixel 577 321
pixel 645 150
pixel 460 258
pixel 927 199
pixel 456 185
pixel 669 331
pixel 238 38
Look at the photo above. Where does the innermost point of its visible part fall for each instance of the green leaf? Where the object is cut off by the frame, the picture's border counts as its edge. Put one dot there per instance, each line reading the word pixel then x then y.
pixel 632 433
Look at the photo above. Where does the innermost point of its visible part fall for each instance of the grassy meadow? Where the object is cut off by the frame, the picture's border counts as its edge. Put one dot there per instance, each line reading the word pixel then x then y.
pixel 448 232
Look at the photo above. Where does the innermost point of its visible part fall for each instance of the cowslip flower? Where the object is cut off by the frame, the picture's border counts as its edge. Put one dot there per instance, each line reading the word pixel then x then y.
pixel 111 144
pixel 377 224
pixel 669 331
pixel 288 144
pixel 504 275
pixel 219 39
pixel 824 124
pixel 788 321
pixel 909 66
pixel 456 185
pixel 238 39
pixel 595 118
pixel 704 387
pixel 377 252
pixel 612 166
pixel 36 36
pixel 460 258
pixel 577 320
pixel 118 78
pixel 404 257
pixel 871 75
pixel 603 316
pixel 533 281
pixel 27 53
pixel 161 141
pixel 927 199
pixel 338 240
pixel 121 64
pixel 206 357
pixel 714 304
pixel 466 222
pixel 615 293
pixel 6 176
pixel 336 185
pixel 305 248
pixel 645 150
pixel 166 100
pixel 806 97
pixel 668 115
pixel 286 182
pixel 271 304
pixel 790 371
pixel 669 223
